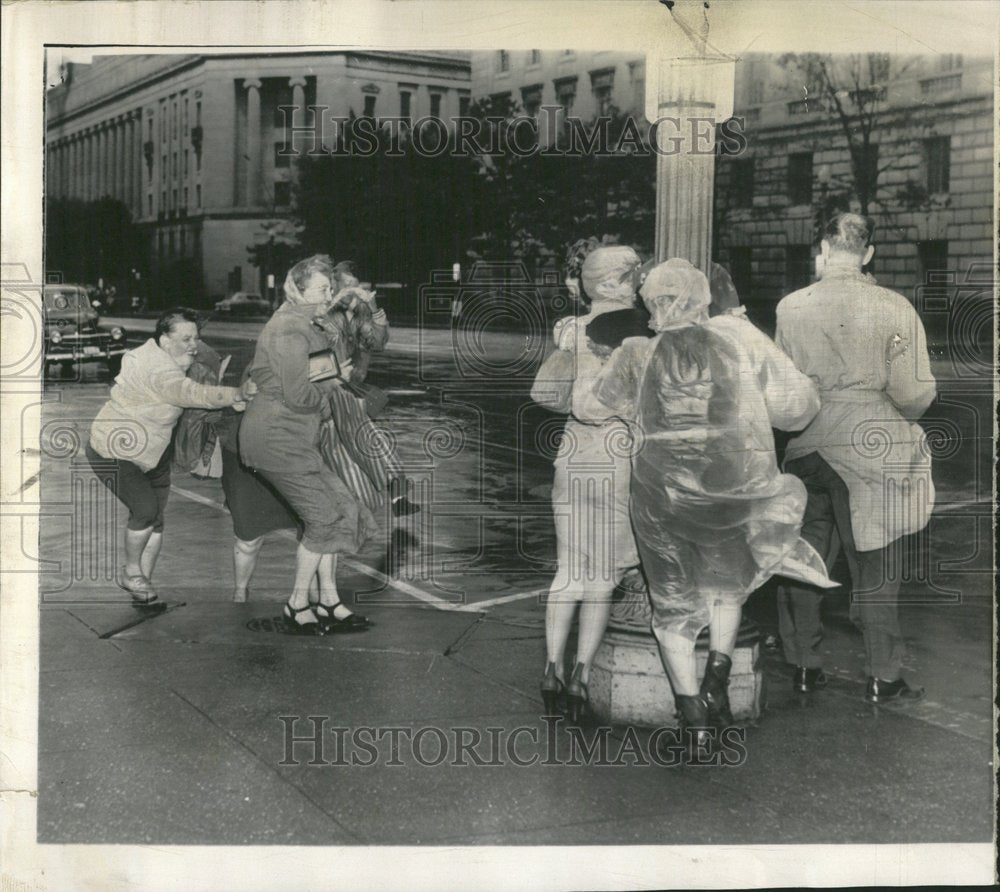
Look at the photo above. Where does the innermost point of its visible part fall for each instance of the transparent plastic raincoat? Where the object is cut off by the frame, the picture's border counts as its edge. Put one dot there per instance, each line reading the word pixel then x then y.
pixel 713 516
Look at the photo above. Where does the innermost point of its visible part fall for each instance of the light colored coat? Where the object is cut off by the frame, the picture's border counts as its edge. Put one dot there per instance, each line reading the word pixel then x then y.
pixel 147 398
pixel 864 347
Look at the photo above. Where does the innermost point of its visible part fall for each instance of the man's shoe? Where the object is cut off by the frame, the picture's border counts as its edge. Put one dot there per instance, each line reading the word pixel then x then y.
pixel 403 507
pixel 808 680
pixel 881 691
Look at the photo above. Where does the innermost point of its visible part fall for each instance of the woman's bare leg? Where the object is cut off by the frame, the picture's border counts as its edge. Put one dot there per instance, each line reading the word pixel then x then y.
pixel 245 554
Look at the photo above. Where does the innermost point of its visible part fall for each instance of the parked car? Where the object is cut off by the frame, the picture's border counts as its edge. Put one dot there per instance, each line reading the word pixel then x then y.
pixel 72 332
pixel 245 303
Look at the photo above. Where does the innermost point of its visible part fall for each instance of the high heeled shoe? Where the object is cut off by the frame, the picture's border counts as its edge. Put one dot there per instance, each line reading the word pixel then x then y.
pixel 577 697
pixel 353 622
pixel 715 690
pixel 553 691
pixel 294 627
pixel 694 727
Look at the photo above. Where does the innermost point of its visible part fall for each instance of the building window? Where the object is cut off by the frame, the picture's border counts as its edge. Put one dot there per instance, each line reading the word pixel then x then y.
pixel 741 270
pixel 369 111
pixel 197 195
pixel 197 113
pixel 435 105
pixel 186 116
pixel 463 105
pixel 798 266
pixel 534 57
pixel 174 131
pixel 279 159
pixel 174 163
pixel 800 177
pixel 566 93
pixel 949 61
pixel 163 202
pixel 149 129
pixel 741 182
pixel 282 193
pixel 531 100
pixel 404 104
pixel 878 67
pixel 937 163
pixel 637 71
pixel 187 163
pixel 503 60
pixel 163 168
pixel 602 83
pixel 282 100
pixel 866 167
pixel 173 196
pixel 755 91
pixel 932 256
pixel 185 197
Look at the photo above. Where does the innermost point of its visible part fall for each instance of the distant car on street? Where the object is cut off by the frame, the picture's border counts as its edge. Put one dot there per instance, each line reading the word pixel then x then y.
pixel 245 303
pixel 72 332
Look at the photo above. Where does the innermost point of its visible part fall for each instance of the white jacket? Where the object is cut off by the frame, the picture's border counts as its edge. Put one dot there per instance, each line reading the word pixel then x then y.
pixel 147 398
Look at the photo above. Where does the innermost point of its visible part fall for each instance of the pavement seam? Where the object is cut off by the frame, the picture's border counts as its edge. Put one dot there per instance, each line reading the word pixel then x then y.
pixel 257 757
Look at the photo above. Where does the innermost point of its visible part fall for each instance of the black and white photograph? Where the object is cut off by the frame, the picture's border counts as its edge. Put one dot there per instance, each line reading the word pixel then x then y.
pixel 537 446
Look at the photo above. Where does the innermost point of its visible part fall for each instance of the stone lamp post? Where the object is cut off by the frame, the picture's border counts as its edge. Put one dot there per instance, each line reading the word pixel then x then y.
pixel 692 94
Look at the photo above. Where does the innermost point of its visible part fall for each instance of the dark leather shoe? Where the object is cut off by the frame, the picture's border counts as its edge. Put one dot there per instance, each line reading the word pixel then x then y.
pixel 403 507
pixel 881 691
pixel 808 680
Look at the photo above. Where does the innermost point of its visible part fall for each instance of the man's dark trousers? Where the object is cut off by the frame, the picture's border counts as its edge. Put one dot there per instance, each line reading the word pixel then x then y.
pixel 875 578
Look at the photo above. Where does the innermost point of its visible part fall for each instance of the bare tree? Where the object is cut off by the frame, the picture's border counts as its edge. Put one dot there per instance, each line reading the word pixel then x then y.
pixel 854 90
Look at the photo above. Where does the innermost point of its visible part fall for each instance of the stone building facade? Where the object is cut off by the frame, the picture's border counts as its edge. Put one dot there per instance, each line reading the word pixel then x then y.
pixel 934 135
pixel 192 143
pixel 933 205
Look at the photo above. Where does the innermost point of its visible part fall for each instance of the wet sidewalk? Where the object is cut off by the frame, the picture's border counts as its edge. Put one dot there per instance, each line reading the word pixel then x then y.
pixel 177 727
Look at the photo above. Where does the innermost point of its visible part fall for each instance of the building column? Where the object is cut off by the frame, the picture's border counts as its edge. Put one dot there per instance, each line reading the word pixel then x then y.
pixel 88 164
pixel 72 173
pixel 118 144
pixel 137 162
pixel 252 86
pixel 694 94
pixel 299 116
pixel 102 160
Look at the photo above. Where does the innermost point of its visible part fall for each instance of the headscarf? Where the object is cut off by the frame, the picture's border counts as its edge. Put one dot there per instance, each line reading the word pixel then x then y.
pixel 317 263
pixel 676 294
pixel 614 263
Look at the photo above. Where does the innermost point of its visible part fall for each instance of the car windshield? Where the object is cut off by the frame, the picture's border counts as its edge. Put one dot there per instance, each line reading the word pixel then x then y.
pixel 66 299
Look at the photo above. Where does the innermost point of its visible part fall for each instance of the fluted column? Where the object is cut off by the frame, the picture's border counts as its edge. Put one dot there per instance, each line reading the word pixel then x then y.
pixel 73 170
pixel 694 95
pixel 116 165
pixel 88 164
pixel 102 160
pixel 252 86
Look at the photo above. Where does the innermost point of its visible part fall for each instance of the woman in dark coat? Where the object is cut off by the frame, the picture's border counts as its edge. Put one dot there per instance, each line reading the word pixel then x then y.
pixel 280 439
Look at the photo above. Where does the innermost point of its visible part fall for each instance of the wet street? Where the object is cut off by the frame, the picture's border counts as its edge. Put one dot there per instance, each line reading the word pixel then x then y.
pixel 148 718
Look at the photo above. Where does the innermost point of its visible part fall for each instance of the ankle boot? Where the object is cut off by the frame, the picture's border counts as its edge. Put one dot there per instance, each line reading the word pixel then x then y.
pixel 577 696
pixel 715 690
pixel 553 691
pixel 693 712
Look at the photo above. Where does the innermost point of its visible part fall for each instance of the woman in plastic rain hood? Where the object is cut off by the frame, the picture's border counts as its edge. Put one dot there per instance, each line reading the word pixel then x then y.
pixel 590 492
pixel 713 516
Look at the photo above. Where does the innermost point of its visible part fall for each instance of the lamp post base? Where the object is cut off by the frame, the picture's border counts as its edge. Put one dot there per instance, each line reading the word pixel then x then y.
pixel 628 684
